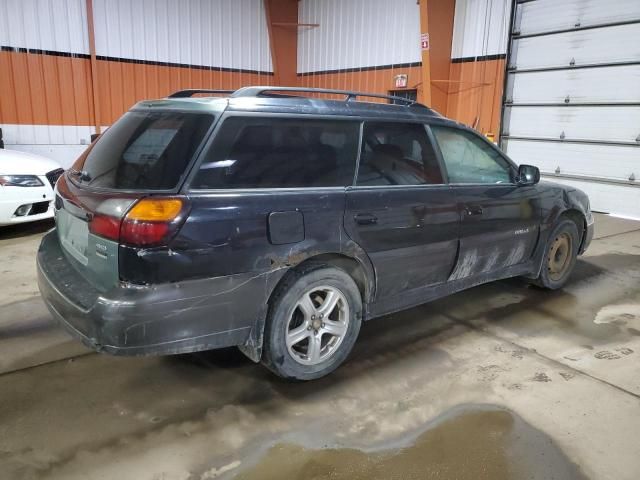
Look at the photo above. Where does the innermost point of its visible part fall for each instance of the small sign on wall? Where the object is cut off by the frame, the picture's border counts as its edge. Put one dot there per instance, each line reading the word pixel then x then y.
pixel 424 41
pixel 401 81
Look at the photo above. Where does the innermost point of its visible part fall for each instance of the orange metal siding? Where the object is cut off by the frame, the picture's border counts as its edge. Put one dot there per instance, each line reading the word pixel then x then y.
pixel 474 98
pixel 51 90
pixel 471 95
pixel 56 90
pixel 440 29
pixel 282 17
pixel 46 77
pixel 372 81
pixel 123 84
pixel 44 89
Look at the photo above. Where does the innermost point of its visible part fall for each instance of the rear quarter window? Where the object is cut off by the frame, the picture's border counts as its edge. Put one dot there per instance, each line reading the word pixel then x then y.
pixel 280 153
pixel 145 150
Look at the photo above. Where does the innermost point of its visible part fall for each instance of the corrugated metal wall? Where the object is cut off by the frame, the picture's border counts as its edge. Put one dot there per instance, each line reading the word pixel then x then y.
pixel 359 44
pixel 45 85
pixel 149 48
pixel 363 44
pixel 480 28
pixel 144 48
pixel 358 33
pixel 478 53
pixel 231 34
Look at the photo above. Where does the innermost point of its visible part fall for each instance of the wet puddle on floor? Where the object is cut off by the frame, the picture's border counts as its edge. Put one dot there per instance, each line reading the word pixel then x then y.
pixel 466 443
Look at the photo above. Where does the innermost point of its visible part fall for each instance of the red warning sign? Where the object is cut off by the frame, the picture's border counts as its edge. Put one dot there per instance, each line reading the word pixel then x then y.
pixel 424 41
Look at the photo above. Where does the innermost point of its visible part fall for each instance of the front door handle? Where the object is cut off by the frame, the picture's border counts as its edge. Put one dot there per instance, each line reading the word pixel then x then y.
pixel 473 210
pixel 365 219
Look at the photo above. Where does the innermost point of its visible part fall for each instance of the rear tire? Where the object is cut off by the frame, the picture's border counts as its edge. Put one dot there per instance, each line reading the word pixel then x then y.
pixel 559 255
pixel 313 322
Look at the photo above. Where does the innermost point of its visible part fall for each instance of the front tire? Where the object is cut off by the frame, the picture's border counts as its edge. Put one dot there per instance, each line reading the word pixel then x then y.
pixel 559 255
pixel 313 322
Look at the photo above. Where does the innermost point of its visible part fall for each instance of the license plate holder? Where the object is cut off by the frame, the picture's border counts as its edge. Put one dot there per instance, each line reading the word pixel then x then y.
pixel 73 233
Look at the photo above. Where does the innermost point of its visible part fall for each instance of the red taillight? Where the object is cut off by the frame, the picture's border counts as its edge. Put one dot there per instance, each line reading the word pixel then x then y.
pixel 134 232
pixel 105 226
pixel 151 221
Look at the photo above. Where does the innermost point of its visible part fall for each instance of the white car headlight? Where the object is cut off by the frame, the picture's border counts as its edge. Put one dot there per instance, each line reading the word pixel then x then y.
pixel 20 181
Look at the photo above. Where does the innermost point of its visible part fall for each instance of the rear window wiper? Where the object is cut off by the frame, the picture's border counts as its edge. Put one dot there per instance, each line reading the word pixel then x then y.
pixel 81 175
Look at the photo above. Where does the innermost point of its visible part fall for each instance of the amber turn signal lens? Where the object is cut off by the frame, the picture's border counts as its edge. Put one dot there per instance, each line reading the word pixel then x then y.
pixel 155 210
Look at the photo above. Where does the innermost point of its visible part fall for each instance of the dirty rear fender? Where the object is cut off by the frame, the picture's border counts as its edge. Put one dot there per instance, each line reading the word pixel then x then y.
pixel 301 253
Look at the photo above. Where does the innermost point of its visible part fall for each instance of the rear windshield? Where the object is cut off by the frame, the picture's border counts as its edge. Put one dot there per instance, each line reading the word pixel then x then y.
pixel 145 150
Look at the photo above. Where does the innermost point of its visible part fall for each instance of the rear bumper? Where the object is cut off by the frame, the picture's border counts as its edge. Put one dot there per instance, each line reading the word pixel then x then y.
pixel 149 320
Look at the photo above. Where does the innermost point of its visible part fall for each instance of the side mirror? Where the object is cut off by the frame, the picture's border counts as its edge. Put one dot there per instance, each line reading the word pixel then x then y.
pixel 528 175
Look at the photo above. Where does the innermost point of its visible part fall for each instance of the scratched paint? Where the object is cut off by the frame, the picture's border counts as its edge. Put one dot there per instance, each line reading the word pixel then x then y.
pixel 465 265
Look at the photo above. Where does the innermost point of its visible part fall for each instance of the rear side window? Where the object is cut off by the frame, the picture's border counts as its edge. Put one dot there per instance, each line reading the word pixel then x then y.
pixel 397 154
pixel 145 150
pixel 280 153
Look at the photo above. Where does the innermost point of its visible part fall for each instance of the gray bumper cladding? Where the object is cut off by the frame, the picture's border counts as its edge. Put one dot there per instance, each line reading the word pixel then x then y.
pixel 150 320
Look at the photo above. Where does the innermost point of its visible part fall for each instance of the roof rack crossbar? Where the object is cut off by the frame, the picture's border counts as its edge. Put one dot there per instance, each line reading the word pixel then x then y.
pixel 193 91
pixel 349 94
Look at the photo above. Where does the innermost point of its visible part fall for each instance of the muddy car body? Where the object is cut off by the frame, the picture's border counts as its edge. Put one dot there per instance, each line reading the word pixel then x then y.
pixel 201 223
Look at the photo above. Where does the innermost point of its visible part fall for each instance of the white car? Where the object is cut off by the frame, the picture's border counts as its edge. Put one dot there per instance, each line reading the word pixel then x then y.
pixel 26 186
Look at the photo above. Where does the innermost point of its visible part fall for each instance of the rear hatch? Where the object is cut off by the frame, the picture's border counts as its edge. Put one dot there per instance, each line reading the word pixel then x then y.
pixel 123 189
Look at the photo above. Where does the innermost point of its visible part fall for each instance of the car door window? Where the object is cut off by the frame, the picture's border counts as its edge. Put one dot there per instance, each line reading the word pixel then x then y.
pixel 397 154
pixel 269 152
pixel 470 159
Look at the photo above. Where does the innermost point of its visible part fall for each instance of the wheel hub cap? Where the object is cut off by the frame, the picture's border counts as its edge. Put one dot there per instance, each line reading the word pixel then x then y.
pixel 559 256
pixel 317 325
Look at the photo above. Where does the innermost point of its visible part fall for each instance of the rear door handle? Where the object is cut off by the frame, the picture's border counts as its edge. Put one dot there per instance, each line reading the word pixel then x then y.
pixel 473 210
pixel 365 219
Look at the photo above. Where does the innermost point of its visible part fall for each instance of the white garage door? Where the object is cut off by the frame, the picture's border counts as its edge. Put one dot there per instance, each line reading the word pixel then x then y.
pixel 572 97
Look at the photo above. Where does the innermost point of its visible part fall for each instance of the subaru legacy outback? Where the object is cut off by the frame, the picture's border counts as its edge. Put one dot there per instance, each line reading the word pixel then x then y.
pixel 278 222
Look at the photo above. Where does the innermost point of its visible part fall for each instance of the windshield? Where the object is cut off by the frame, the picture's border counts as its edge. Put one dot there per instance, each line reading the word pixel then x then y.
pixel 145 150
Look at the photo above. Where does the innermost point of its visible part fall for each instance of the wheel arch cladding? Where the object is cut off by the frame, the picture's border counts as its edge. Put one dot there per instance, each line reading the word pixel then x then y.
pixel 579 219
pixel 351 265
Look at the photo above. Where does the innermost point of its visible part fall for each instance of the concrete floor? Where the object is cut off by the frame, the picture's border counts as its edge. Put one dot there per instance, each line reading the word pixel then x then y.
pixel 501 381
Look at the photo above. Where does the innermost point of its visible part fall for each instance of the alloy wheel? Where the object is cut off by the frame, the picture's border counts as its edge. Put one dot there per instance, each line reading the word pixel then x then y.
pixel 317 325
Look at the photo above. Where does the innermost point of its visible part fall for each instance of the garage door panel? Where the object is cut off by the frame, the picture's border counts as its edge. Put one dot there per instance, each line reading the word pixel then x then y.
pixel 584 47
pixel 572 97
pixel 550 15
pixel 602 161
pixel 609 124
pixel 618 199
pixel 603 85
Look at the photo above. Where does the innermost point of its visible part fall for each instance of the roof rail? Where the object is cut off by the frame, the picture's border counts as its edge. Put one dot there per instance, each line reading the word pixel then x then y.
pixel 193 91
pixel 349 94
